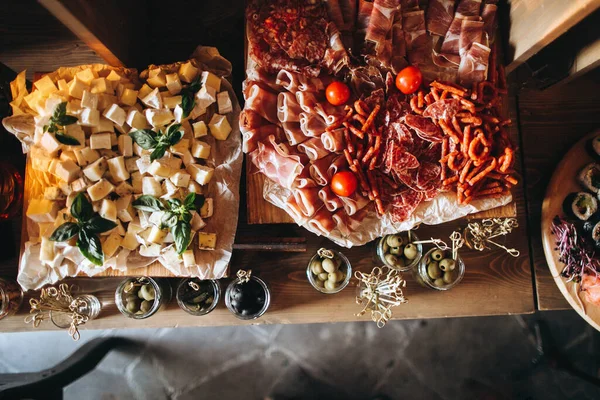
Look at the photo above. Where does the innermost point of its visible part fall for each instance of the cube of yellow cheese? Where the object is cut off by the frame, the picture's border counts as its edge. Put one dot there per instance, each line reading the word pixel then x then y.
pixel 114 77
pixel 173 83
pixel 144 91
pixel 42 210
pixel 111 244
pixel 200 129
pixel 151 186
pixel 157 235
pixel 45 85
pixel 159 117
pixel 117 169
pixel 207 209
pixel 100 141
pixel 104 125
pixel 153 99
pixel 219 127
pixel 86 76
pixel 187 72
pixel 129 241
pixel 89 117
pixel 86 156
pixel 200 173
pixel 136 119
pixel 171 101
pixel 108 210
pixel 211 80
pixel 116 114
pixel 63 87
pixel 89 99
pixel 200 149
pixel 95 171
pixel 76 88
pixel 128 97
pixel 100 190
pixel 224 103
pixel 189 260
pixel 67 170
pixel 207 241
pixel 101 85
pixel 180 147
pixel 180 179
pixel 157 78
pixel 160 168
pixel 125 144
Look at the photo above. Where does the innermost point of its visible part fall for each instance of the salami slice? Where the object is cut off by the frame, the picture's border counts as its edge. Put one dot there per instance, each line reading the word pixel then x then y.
pixel 403 160
pixel 442 109
pixel 424 127
pixel 428 172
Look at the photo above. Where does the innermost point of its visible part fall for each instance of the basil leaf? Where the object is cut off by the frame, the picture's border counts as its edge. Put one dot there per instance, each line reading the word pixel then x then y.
pixel 52 128
pixel 175 138
pixel 90 247
pixel 174 204
pixel 186 216
pixel 64 232
pixel 158 152
pixel 187 104
pixel 98 224
pixel 145 138
pixel 190 201
pixel 148 203
pixel 182 234
pixel 59 111
pixel 66 139
pixel 168 220
pixel 199 202
pixel 81 208
pixel 67 120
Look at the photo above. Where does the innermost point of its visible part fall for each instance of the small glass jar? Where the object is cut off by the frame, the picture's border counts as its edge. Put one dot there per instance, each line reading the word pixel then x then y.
pixel 344 267
pixel 160 289
pixel 188 298
pixel 87 305
pixel 383 248
pixel 11 297
pixel 420 272
pixel 262 288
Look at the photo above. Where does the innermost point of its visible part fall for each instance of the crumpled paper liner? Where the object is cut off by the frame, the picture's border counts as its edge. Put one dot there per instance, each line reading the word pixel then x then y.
pixel 224 189
pixel 443 208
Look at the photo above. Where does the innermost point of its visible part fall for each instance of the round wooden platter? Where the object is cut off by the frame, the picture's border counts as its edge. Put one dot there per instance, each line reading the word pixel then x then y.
pixel 563 182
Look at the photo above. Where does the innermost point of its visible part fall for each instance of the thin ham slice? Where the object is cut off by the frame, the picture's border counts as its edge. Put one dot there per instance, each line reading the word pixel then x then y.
pixel 398 57
pixel 253 136
pixel 322 222
pixel 304 180
pixel 292 208
pixel 336 57
pixel 330 113
pixel 264 77
pixel 262 101
pixel 276 162
pixel 469 8
pixel 251 120
pixel 312 124
pixel 451 44
pixel 354 203
pixel 347 224
pixel 331 201
pixel 415 34
pixel 474 65
pixel 313 148
pixel 288 80
pixel 293 133
pixel 381 20
pixel 470 32
pixel 424 127
pixel 318 169
pixel 307 101
pixel 333 141
pixel 489 21
pixel 288 109
pixel 440 14
pixel 338 164
pixel 307 200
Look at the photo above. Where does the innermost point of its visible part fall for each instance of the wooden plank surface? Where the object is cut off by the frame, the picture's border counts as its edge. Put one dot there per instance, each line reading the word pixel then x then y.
pixel 534 24
pixel 551 121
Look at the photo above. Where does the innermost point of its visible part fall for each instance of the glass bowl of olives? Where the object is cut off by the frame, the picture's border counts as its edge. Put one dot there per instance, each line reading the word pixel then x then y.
pixel 398 251
pixel 248 300
pixel 198 297
pixel 140 298
pixel 329 275
pixel 437 270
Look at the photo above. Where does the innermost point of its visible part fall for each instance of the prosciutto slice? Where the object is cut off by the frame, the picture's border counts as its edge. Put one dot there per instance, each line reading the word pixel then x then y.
pixel 424 127
pixel 288 109
pixel 398 58
pixel 251 120
pixel 381 20
pixel 338 164
pixel 451 45
pixel 474 65
pixel 346 224
pixel 440 14
pixel 489 21
pixel 415 34
pixel 275 161
pixel 322 222
pixel 333 141
pixel 288 80
pixel 313 148
pixel 253 136
pixel 312 125
pixel 318 169
pixel 304 180
pixel 354 203
pixel 365 8
pixel 336 56
pixel 331 201
pixel 262 101
pixel 293 133
pixel 470 32
pixel 330 113
pixel 266 79
pixel 469 8
pixel 292 208
pixel 307 200
pixel 307 101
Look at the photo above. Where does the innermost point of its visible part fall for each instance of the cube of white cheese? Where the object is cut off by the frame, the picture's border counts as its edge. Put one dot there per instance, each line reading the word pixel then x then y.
pixel 104 125
pixel 42 210
pixel 105 100
pixel 180 147
pixel 50 144
pixel 67 170
pixel 74 107
pixel 100 141
pixel 207 241
pixel 131 164
pixel 125 209
pixel 136 182
pixel 207 209
pixel 143 163
pixel 45 85
pixel 224 103
pixel 124 189
pixel 76 88
pixel 108 210
pixel 195 187
pixel 51 103
pixel 219 127
pixel 200 173
pixel 160 168
pixel 211 80
pixel 79 185
pixel 188 158
pixel 159 117
pixel 129 241
pixel 53 193
pixel 136 119
pixel 200 149
pixel 151 186
pixel 157 235
pixel 173 162
pixel 171 101
pixel 111 244
pixel 200 129
pixel 153 99
pixel 86 156
pixel 197 222
pixel 101 85
pixel 125 145
pixel 46 250
pixel 180 179
pixel 128 97
pixel 188 258
pixel 169 189
pixel 67 155
pixel 100 190
pixel 89 117
pixel 89 100
pixel 116 114
pixel 76 132
pixel 187 72
pixel 206 96
pixel 173 83
pixel 117 169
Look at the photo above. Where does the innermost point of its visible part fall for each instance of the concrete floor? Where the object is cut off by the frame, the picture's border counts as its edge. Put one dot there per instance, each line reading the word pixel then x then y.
pixel 461 358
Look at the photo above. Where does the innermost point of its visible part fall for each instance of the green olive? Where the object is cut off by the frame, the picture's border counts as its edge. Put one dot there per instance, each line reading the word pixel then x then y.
pixel 131 297
pixel 139 293
pixel 147 292
pixel 449 276
pixel 210 300
pixel 132 307
pixel 439 282
pixel 410 251
pixel 323 276
pixel 316 267
pixel 200 298
pixel 396 250
pixel 391 259
pixel 329 265
pixel 394 240
pixel 437 255
pixel 447 264
pixel 433 270
pixel 401 263
pixel 146 306
pixel 330 285
pixel 341 276
pixel 338 261
pixel 385 247
pixel 319 283
pixel 335 276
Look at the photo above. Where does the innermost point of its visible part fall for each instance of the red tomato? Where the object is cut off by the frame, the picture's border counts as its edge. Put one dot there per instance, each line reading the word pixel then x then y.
pixel 409 80
pixel 344 183
pixel 337 93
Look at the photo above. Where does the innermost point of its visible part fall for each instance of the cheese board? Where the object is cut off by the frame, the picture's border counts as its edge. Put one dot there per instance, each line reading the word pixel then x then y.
pixel 562 183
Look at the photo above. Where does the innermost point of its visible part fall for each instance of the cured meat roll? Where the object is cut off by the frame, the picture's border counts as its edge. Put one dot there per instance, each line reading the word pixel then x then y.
pixel 313 148
pixel 288 109
pixel 307 200
pixel 312 124
pixel 275 161
pixel 322 222
pixel 333 141
pixel 331 201
pixel 262 101
pixel 318 169
pixel 440 14
pixel 293 133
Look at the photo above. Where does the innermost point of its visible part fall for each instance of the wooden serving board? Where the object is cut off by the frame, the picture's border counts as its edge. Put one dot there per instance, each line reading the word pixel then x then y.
pixel 563 182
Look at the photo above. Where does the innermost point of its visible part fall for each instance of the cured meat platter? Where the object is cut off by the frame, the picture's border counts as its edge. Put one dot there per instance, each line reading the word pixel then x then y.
pixel 562 183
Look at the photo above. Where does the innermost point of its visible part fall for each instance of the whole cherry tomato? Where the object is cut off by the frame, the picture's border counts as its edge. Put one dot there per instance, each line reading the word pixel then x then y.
pixel 344 183
pixel 409 80
pixel 337 93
